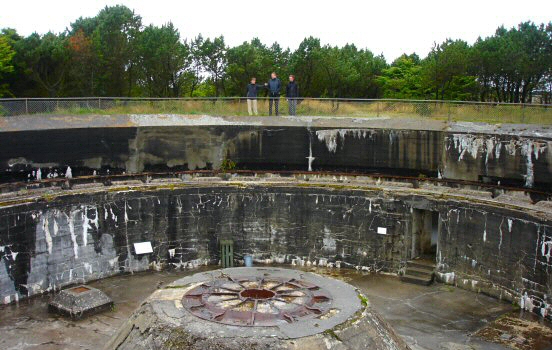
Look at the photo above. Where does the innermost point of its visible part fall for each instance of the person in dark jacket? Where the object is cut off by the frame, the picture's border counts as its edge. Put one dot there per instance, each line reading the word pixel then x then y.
pixel 274 85
pixel 252 91
pixel 292 93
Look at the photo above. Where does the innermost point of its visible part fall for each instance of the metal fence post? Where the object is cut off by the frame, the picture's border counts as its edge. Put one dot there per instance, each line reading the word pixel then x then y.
pixel 26 106
pixel 523 112
pixel 99 103
pixel 449 116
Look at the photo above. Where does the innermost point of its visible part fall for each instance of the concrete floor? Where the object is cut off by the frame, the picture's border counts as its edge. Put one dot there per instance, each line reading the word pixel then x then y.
pixel 434 317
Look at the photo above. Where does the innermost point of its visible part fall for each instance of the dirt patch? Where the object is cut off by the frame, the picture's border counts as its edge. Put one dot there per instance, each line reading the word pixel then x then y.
pixel 519 331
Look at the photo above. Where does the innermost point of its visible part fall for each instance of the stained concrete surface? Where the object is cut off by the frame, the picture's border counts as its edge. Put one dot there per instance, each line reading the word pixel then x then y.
pixel 434 317
pixel 344 321
pixel 80 235
pixel 510 154
pixel 49 121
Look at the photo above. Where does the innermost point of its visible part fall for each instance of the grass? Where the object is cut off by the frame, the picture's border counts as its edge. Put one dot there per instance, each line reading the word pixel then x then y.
pixel 363 300
pixel 448 111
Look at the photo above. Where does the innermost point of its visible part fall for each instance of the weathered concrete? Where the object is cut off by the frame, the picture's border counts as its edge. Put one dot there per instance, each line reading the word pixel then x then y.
pixel 425 317
pixel 508 154
pixel 162 322
pixel 80 301
pixel 80 238
pixel 483 243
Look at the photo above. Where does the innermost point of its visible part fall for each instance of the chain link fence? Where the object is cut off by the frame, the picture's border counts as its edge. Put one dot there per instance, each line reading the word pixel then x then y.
pixel 357 108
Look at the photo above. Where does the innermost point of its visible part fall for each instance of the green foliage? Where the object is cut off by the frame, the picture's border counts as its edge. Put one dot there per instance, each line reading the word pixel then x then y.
pixel 6 64
pixel 82 76
pixel 113 54
pixel 513 63
pixel 115 41
pixel 214 61
pixel 227 165
pixel 363 300
pixel 45 59
pixel 349 72
pixel 444 64
pixel 163 60
pixel 306 64
pixel 402 79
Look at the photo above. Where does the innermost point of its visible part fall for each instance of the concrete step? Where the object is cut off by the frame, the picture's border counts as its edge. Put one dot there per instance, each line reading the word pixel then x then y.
pixel 423 281
pixel 421 272
pixel 421 264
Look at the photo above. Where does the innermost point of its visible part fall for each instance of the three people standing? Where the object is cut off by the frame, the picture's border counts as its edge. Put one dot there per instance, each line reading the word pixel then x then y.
pixel 274 86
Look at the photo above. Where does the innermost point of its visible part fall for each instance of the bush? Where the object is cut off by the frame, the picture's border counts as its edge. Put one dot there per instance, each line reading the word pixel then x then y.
pixel 227 165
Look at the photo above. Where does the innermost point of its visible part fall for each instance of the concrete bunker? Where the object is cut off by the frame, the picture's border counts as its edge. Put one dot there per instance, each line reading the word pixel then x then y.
pixel 480 236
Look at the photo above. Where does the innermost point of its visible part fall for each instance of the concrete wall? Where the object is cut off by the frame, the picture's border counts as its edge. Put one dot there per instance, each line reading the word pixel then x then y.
pixel 490 249
pixel 44 246
pixel 506 159
pixel 499 252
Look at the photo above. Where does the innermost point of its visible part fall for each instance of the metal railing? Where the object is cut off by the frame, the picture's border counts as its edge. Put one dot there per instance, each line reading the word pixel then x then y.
pixel 237 106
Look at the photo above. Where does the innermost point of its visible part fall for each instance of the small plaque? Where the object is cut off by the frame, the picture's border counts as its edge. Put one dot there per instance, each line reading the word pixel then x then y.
pixel 382 230
pixel 143 248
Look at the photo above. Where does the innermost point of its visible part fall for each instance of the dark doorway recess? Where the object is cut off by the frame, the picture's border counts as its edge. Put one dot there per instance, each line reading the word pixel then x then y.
pixel 425 233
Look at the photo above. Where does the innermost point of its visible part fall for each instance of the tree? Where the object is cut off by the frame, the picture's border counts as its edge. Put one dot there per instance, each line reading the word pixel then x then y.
pixel 513 63
pixel 19 81
pixel 214 61
pixel 46 59
pixel 338 71
pixel 402 79
pixel 369 67
pixel 111 54
pixel 195 75
pixel 163 60
pixel 305 62
pixel 444 71
pixel 114 39
pixel 83 65
pixel 6 64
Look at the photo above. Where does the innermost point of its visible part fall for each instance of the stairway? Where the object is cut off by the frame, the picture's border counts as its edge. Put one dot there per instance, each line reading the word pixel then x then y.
pixel 419 271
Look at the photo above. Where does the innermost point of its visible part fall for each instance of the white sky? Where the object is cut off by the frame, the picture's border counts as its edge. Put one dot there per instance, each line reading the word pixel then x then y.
pixel 388 27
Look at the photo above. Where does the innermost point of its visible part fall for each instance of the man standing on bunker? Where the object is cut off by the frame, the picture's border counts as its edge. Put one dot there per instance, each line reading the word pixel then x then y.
pixel 292 93
pixel 252 90
pixel 274 86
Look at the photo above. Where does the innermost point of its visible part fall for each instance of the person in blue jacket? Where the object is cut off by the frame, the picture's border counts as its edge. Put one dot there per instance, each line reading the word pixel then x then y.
pixel 292 94
pixel 274 85
pixel 252 91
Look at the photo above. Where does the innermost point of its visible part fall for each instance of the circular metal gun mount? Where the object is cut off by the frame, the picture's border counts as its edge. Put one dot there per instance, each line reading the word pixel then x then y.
pixel 256 301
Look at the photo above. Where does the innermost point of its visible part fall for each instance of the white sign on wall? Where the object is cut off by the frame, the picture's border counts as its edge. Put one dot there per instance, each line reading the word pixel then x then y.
pixel 382 230
pixel 143 248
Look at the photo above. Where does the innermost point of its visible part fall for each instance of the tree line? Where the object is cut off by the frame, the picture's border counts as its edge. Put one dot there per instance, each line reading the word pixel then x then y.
pixel 114 54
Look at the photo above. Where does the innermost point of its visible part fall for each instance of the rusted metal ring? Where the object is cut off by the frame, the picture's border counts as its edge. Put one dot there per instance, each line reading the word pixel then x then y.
pixel 256 301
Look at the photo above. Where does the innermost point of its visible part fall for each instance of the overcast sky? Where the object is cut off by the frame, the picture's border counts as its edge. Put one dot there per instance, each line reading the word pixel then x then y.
pixel 388 27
